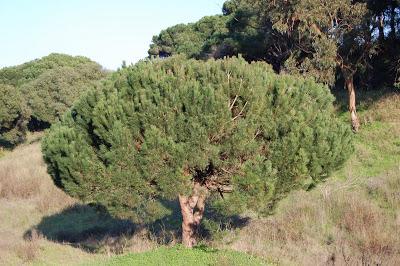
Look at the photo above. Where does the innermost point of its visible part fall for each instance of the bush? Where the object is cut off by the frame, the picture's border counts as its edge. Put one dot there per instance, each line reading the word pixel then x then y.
pixel 168 128
pixel 13 115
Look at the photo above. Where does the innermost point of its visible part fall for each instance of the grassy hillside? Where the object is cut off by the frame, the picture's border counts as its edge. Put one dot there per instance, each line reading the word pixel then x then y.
pixel 352 218
pixel 26 195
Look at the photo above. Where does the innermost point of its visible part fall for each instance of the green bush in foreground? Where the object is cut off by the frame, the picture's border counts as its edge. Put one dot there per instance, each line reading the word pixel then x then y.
pixel 194 130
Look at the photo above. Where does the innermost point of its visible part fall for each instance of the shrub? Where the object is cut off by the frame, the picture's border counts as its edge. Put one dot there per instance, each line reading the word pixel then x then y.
pixel 13 115
pixel 193 130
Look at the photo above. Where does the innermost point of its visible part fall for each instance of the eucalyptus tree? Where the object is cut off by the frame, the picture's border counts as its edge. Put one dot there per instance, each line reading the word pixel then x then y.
pixel 324 35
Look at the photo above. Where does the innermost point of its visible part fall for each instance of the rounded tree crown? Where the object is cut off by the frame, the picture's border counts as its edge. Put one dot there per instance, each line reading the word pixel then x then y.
pixel 156 128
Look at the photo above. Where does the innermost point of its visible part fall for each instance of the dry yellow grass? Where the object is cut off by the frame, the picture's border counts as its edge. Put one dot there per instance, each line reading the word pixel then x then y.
pixel 23 176
pixel 385 109
pixel 336 224
pixel 27 194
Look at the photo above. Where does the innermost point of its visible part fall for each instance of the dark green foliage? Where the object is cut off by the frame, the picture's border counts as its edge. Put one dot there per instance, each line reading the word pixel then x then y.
pixel 42 90
pixel 13 116
pixel 29 71
pixel 188 39
pixel 54 91
pixel 158 126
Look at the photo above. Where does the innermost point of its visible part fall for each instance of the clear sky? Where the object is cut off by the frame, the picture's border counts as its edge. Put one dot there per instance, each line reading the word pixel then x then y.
pixel 107 31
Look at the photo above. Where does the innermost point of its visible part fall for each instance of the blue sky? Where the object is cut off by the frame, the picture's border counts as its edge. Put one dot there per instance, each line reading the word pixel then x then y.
pixel 105 31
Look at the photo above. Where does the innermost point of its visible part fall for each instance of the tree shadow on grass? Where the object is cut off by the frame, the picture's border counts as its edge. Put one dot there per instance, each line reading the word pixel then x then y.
pixel 169 228
pixel 92 228
pixel 84 226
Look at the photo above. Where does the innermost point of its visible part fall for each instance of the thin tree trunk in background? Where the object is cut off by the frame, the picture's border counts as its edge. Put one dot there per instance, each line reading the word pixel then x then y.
pixel 393 20
pixel 192 209
pixel 381 26
pixel 355 123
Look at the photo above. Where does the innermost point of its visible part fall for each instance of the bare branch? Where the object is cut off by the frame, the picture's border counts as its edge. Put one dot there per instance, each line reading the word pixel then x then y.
pixel 233 103
pixel 241 111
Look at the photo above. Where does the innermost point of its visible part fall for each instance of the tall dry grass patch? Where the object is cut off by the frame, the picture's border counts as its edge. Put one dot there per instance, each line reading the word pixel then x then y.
pixel 28 250
pixel 338 224
pixel 386 109
pixel 27 193
pixel 23 175
pixel 20 174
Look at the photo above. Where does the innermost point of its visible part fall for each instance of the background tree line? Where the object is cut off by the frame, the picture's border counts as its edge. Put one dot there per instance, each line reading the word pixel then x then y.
pixel 347 43
pixel 36 94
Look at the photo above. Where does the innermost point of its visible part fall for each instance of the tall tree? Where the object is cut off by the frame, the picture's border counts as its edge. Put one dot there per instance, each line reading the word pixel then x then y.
pixel 187 39
pixel 323 35
pixel 312 38
pixel 54 91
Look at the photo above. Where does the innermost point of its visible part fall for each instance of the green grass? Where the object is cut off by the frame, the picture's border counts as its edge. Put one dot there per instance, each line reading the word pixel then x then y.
pixel 180 255
pixel 377 150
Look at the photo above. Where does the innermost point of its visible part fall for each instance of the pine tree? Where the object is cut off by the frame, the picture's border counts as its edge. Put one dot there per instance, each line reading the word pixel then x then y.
pixel 13 116
pixel 38 92
pixel 168 129
pixel 54 91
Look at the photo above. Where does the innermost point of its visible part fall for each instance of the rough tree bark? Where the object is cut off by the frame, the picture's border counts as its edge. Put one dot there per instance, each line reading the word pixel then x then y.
pixel 192 208
pixel 355 123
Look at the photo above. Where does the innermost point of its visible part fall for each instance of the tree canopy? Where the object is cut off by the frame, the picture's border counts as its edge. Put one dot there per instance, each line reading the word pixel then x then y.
pixel 42 90
pixel 188 39
pixel 169 128
pixel 13 115
pixel 54 91
pixel 355 42
pixel 21 74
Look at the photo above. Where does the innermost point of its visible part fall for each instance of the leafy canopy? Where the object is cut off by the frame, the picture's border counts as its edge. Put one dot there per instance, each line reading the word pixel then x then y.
pixel 42 90
pixel 13 115
pixel 159 126
pixel 188 39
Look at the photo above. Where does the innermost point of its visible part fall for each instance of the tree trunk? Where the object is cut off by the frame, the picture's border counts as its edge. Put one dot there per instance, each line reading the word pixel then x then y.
pixel 192 209
pixel 355 123
pixel 381 27
pixel 393 20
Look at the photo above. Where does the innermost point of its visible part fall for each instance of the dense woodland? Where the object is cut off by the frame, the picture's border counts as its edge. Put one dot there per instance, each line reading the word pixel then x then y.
pixel 233 111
